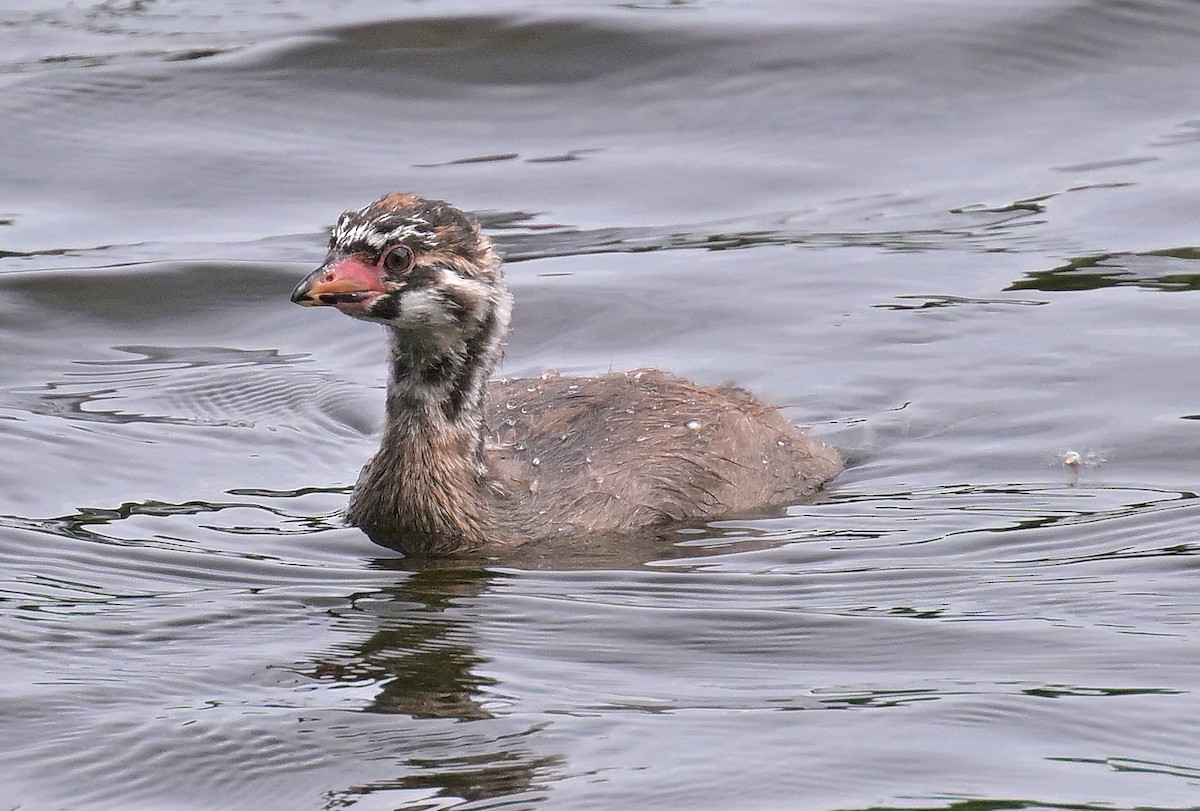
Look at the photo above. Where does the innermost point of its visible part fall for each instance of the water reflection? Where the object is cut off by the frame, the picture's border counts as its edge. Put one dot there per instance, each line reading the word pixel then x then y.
pixel 977 227
pixel 1153 270
pixel 419 655
pixel 504 774
pixel 420 661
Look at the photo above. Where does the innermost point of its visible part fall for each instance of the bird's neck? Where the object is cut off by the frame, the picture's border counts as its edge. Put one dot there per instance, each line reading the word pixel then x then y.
pixel 428 490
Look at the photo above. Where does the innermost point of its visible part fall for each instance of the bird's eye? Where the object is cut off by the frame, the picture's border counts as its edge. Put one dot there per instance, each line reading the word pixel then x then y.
pixel 397 259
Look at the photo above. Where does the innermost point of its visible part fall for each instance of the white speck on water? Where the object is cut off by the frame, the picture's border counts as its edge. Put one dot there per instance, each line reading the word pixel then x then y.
pixel 693 425
pixel 1075 462
pixel 537 460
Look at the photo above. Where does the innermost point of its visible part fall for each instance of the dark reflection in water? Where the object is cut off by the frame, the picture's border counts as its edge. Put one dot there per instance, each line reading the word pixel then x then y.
pixel 471 780
pixel 421 663
pixel 90 523
pixel 1154 270
pixel 419 657
pixel 975 228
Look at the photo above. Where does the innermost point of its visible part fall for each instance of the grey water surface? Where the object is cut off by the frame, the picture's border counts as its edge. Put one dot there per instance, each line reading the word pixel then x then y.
pixel 961 240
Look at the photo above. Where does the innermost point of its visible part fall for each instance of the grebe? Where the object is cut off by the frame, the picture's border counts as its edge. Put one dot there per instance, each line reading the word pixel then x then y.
pixel 467 465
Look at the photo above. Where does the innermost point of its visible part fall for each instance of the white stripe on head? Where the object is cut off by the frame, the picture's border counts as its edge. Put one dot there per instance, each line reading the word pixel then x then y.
pixel 352 229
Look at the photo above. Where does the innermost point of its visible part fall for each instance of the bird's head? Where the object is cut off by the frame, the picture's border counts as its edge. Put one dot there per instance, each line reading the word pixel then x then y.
pixel 413 264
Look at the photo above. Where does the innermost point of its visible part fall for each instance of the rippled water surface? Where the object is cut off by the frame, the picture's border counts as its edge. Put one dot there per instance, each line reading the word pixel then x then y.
pixel 957 239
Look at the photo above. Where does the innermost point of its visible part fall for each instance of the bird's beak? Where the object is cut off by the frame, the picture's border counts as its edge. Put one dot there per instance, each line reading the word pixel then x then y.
pixel 342 281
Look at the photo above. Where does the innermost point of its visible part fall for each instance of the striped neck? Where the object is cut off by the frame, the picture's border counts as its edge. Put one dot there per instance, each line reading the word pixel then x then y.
pixel 436 384
pixel 428 489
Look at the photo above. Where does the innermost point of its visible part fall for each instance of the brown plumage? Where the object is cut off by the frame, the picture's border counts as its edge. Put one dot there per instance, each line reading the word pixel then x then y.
pixel 466 464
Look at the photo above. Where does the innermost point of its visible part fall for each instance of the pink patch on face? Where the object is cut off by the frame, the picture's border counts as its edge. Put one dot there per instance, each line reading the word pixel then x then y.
pixel 349 284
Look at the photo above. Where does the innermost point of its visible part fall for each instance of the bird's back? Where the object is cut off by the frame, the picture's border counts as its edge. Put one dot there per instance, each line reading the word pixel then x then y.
pixel 635 449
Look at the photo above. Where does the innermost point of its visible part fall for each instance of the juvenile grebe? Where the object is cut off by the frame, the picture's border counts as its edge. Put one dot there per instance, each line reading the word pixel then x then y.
pixel 466 464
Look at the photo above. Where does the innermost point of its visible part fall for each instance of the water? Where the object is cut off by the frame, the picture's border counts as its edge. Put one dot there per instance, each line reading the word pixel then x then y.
pixel 959 240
